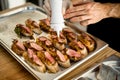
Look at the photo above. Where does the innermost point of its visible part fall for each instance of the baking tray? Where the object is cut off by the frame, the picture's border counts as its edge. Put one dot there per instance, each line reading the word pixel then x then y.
pixel 92 73
pixel 9 19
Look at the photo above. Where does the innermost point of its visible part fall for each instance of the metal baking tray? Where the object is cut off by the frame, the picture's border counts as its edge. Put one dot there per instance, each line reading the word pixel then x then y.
pixel 92 73
pixel 9 19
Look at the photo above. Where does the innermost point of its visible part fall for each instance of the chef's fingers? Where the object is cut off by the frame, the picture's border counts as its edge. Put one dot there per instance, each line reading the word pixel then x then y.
pixel 80 18
pixel 84 6
pixel 75 14
pixel 46 7
pixel 86 22
pixel 47 4
pixel 74 9
pixel 66 5
pixel 75 2
pixel 63 11
pixel 48 12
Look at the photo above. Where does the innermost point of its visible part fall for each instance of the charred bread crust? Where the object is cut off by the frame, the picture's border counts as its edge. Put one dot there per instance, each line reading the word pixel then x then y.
pixel 18 50
pixel 33 25
pixel 40 68
pixel 87 40
pixel 44 26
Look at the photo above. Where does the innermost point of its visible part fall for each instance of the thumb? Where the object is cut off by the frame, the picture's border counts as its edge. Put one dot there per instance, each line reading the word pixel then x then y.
pixel 66 5
pixel 63 11
pixel 48 12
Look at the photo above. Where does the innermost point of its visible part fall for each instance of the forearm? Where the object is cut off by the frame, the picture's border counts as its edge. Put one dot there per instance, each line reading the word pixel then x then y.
pixel 115 10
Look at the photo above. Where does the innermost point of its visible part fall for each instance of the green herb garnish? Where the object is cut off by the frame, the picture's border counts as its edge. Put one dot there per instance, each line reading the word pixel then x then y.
pixel 18 31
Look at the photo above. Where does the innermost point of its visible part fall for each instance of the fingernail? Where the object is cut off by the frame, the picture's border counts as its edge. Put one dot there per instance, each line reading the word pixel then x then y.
pixel 67 11
pixel 72 20
pixel 65 16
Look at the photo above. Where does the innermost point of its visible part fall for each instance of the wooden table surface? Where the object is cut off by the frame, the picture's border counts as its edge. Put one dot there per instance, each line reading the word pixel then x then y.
pixel 10 69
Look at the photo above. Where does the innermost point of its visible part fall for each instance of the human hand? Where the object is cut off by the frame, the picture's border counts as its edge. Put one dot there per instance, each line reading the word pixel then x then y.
pixel 88 13
pixel 65 5
pixel 77 2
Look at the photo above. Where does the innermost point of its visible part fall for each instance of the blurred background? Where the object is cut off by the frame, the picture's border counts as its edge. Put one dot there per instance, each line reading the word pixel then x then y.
pixel 6 4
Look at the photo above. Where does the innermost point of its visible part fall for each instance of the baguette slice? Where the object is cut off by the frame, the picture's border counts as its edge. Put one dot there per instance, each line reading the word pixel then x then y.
pixel 73 55
pixel 33 60
pixel 18 47
pixel 79 47
pixel 50 63
pixel 88 41
pixel 63 60
pixel 33 25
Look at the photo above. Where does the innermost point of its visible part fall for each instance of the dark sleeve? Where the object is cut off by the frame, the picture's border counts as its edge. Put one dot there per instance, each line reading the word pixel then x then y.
pixel 107 30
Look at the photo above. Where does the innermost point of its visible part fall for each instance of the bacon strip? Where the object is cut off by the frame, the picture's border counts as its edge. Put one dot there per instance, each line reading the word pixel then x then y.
pixel 49 57
pixel 73 53
pixel 35 24
pixel 48 42
pixel 35 46
pixel 31 54
pixel 42 38
pixel 37 60
pixel 80 45
pixel 61 56
pixel 20 45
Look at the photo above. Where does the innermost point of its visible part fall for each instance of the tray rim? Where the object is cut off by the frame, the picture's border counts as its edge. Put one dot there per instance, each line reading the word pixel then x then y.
pixel 11 52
